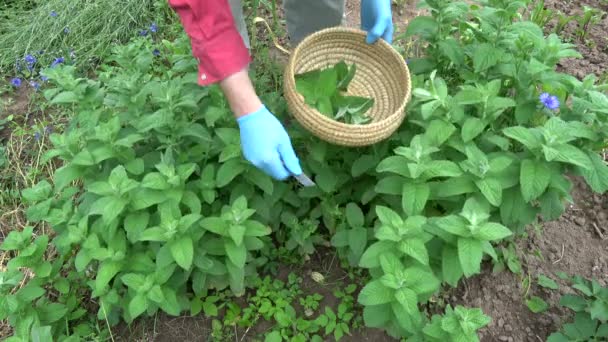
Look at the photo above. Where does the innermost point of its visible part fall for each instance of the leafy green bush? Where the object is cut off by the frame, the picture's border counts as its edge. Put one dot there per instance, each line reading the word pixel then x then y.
pixel 154 208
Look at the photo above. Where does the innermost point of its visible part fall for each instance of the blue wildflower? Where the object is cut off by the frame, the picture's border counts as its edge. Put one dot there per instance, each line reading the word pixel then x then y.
pixel 153 28
pixel 156 52
pixel 143 32
pixel 37 136
pixel 57 60
pixel 16 82
pixel 53 14
pixel 44 78
pixel 549 101
pixel 66 30
pixel 35 85
pixel 29 59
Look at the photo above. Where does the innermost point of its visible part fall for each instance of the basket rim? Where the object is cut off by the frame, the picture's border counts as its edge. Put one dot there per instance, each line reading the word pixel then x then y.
pixel 290 77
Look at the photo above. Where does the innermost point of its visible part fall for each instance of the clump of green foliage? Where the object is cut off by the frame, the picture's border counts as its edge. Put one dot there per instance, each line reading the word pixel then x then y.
pixel 590 305
pixel 324 90
pixel 155 210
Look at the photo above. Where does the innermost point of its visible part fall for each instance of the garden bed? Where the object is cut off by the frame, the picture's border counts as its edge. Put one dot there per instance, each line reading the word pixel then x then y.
pixel 303 292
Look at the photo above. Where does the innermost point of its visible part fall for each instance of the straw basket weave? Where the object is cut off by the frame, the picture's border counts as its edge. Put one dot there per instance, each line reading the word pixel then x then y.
pixel 381 74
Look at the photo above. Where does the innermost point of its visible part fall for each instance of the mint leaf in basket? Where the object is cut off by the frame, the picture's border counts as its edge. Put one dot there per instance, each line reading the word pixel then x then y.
pixel 325 90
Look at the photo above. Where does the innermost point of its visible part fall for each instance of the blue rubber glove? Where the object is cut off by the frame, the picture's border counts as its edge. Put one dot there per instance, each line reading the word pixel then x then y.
pixel 377 20
pixel 266 145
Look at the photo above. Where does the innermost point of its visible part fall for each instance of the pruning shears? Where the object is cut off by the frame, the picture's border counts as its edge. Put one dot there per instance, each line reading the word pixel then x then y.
pixel 304 180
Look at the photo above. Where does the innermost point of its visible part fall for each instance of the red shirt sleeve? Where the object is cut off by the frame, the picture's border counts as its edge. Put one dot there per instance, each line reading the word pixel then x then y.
pixel 215 40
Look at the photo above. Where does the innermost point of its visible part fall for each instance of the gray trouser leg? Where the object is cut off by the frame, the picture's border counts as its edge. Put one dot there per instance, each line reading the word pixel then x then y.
pixel 303 17
pixel 237 12
pixel 308 16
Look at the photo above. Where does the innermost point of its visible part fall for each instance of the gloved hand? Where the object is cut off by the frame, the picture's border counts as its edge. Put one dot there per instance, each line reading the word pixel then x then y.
pixel 266 145
pixel 377 20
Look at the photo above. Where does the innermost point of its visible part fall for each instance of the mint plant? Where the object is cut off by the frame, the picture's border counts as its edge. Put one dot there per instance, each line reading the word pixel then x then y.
pixel 457 324
pixel 324 90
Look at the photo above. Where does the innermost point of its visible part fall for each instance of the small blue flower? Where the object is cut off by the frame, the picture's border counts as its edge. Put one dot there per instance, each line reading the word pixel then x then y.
pixel 16 82
pixel 549 101
pixel 29 59
pixel 66 30
pixel 35 85
pixel 37 136
pixel 44 78
pixel 153 28
pixel 143 33
pixel 53 14
pixel 156 52
pixel 57 60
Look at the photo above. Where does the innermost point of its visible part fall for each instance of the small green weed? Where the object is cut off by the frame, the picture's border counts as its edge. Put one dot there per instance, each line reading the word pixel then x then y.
pixel 590 305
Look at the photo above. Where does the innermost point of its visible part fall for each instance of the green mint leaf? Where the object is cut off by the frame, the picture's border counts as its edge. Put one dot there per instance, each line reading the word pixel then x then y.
pixel 388 217
pixel 354 215
pixel 470 253
pixel 371 256
pixel 394 164
pixel 215 225
pixel 569 154
pixel 472 128
pixel 485 57
pixel 450 265
pixel 237 232
pixel 597 175
pixel 133 280
pixel 236 254
pixel 526 136
pixel 182 251
pixel 442 168
pixel 425 26
pixel 375 293
pixel 107 270
pixel 491 231
pixel 438 132
pixel 551 205
pixel 228 171
pixel 41 191
pixel 534 178
pixel 408 299
pixel 414 197
pixel 416 249
pixel 454 225
pixel 421 281
pixel 491 189
pixel 156 181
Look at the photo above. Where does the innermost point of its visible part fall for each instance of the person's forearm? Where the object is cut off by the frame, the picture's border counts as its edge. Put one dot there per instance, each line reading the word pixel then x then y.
pixel 240 93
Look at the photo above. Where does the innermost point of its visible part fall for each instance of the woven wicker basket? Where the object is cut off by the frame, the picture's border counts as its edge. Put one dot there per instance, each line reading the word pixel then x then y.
pixel 381 74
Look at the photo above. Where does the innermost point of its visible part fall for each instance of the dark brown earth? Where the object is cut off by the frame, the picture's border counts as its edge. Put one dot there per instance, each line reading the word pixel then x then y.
pixel 595 47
